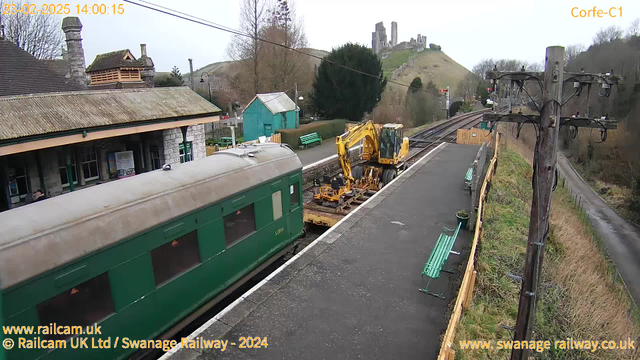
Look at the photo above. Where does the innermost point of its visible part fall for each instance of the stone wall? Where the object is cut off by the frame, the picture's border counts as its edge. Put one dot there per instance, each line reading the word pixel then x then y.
pixel 173 138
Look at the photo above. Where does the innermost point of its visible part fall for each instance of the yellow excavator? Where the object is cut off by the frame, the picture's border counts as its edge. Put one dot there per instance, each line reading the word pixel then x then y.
pixel 384 154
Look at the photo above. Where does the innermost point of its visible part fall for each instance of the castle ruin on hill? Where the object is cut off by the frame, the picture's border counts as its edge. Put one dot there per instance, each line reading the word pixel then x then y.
pixel 379 41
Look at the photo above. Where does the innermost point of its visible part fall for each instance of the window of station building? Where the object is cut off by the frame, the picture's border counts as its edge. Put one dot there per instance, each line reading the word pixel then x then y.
pixel 62 163
pixel 294 193
pixel 185 155
pixel 18 181
pixel 239 224
pixel 175 257
pixel 154 151
pixel 89 163
pixel 82 305
pixel 276 200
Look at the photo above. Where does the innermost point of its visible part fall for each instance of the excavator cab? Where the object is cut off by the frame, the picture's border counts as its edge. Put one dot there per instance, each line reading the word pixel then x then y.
pixel 391 143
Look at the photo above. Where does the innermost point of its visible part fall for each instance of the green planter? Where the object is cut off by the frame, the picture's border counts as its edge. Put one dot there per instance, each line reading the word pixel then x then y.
pixel 463 221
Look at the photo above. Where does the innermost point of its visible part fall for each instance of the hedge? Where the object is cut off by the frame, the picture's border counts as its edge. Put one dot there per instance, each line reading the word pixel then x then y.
pixel 327 130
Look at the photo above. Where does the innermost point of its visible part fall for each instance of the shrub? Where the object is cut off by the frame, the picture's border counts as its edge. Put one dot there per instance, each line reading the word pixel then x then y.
pixel 455 106
pixel 326 129
pixel 466 107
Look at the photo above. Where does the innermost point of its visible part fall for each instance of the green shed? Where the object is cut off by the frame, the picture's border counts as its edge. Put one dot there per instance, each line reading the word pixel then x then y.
pixel 267 113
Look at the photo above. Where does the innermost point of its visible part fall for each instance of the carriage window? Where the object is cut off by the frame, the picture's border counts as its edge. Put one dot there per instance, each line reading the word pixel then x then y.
pixel 293 191
pixel 238 224
pixel 175 257
pixel 83 305
pixel 276 199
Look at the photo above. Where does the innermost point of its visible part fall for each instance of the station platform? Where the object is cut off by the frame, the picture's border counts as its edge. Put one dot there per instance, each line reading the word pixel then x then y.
pixel 353 292
pixel 316 153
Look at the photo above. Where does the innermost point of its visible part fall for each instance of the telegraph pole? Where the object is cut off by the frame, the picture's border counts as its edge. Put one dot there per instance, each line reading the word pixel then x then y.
pixel 296 102
pixel 544 178
pixel 548 123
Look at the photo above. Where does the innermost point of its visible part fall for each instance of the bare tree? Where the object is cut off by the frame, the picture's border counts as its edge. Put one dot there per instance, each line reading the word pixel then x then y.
pixel 533 67
pixel 609 34
pixel 286 67
pixel 39 35
pixel 634 28
pixel 572 52
pixel 468 86
pixel 247 51
pixel 482 67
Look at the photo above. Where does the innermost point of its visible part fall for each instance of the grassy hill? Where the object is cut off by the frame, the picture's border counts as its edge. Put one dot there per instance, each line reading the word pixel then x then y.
pixel 429 65
pixel 227 68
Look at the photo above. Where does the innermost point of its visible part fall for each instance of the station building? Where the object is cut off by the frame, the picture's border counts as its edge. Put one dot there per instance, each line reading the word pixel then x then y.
pixel 63 128
pixel 60 142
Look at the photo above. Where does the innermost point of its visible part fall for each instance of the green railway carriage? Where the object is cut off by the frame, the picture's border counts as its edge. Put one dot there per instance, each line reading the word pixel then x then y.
pixel 138 255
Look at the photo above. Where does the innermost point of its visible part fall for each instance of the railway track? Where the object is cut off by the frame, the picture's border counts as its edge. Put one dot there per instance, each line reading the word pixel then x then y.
pixel 423 141
pixel 447 131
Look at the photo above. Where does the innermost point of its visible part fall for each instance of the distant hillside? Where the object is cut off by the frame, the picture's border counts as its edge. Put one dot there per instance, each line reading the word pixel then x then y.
pixel 430 65
pixel 226 67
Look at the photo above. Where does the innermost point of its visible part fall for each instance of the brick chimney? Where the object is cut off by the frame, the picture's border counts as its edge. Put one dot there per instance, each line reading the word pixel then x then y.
pixel 72 28
pixel 149 70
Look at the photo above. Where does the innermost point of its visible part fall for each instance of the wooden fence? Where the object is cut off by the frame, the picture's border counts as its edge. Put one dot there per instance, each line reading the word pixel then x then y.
pixel 463 301
pixel 473 136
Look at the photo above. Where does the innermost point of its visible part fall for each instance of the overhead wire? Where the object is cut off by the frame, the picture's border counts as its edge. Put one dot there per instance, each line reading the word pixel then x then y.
pixel 208 23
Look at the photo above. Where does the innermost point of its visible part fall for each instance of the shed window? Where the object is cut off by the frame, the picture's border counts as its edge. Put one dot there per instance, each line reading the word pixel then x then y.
pixel 239 224
pixel 175 257
pixel 83 305
pixel 276 200
pixel 294 193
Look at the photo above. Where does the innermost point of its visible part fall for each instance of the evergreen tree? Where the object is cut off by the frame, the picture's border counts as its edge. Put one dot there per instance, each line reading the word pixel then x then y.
pixel 343 93
pixel 174 79
pixel 415 86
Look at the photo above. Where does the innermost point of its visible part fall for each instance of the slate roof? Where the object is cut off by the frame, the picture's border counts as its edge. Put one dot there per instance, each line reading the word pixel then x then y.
pixel 21 73
pixel 31 115
pixel 60 66
pixel 113 60
pixel 276 102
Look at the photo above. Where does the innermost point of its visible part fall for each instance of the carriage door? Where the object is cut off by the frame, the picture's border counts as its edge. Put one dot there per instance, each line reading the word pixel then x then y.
pixel 294 220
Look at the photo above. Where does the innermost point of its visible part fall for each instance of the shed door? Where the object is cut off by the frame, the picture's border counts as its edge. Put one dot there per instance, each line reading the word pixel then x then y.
pixel 268 130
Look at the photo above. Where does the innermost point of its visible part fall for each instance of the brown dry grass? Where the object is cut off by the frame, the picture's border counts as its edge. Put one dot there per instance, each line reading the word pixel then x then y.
pixel 580 297
pixel 600 308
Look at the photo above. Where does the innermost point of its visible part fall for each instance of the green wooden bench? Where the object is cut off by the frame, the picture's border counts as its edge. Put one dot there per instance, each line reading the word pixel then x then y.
pixel 437 259
pixel 468 178
pixel 309 139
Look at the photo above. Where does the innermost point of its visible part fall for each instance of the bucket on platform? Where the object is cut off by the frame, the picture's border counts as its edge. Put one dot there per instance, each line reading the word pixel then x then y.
pixel 463 218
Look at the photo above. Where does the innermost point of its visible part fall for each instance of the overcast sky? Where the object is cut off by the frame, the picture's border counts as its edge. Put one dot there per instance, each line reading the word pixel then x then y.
pixel 468 31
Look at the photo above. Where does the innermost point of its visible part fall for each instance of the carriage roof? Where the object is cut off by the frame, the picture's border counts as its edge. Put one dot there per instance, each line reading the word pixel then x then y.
pixel 44 235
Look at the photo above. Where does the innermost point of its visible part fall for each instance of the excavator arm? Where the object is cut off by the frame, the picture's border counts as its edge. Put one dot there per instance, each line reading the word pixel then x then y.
pixel 344 142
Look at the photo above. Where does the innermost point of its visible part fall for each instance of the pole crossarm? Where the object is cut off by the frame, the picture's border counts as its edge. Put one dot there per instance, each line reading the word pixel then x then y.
pixel 582 77
pixel 514 75
pixel 584 122
pixel 592 78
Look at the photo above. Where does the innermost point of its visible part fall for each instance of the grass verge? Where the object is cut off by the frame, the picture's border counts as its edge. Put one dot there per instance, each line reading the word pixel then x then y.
pixel 579 297
pixel 616 196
